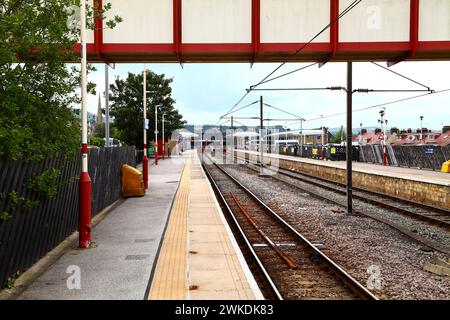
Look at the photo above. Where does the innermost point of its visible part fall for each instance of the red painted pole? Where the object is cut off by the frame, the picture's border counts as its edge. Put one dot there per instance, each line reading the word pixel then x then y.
pixel 145 167
pixel 156 135
pixel 84 227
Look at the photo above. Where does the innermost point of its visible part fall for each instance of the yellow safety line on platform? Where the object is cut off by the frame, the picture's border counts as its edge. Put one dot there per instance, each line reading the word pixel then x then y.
pixel 170 279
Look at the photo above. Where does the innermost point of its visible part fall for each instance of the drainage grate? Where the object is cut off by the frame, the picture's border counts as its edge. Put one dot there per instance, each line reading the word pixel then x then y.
pixel 137 257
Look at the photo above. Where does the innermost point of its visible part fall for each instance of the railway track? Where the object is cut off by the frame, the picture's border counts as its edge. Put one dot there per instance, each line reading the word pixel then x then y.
pixel 420 212
pixel 296 268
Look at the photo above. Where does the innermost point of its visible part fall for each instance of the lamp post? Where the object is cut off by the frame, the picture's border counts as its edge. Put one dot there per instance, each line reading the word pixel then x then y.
pixel 261 126
pixel 421 128
pixel 156 134
pixel 163 139
pixel 323 137
pixel 360 133
pixel 301 138
pixel 145 159
pixel 383 125
pixel 84 227
pixel 107 144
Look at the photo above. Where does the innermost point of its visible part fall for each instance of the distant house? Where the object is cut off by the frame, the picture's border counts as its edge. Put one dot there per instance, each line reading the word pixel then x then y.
pixel 419 137
pixel 407 137
pixel 371 137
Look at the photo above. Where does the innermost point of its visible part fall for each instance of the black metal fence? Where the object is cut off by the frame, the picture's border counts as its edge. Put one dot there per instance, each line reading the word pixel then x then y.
pixel 33 223
pixel 425 156
pixel 410 156
pixel 330 152
pixel 139 156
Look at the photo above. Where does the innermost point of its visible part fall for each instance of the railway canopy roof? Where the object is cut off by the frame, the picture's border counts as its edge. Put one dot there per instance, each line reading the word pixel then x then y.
pixel 272 30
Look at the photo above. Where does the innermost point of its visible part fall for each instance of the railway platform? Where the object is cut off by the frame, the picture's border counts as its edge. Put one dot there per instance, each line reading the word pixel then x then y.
pixel 199 258
pixel 425 186
pixel 173 243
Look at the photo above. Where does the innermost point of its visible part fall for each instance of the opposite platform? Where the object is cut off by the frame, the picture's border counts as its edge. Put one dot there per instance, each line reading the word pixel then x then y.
pixel 200 258
pixel 424 186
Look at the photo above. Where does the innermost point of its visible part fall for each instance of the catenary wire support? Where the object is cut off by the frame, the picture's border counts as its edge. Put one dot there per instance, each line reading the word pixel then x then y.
pixel 350 7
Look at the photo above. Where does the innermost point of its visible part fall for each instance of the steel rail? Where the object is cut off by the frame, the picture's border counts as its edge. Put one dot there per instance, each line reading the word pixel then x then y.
pixel 352 282
pixel 273 288
pixel 415 215
pixel 403 230
pixel 291 263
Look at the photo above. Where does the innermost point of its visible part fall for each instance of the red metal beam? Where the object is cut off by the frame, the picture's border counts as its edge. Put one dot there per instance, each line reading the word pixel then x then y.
pixel 334 27
pixel 413 33
pixel 334 31
pixel 256 27
pixel 414 27
pixel 177 29
pixel 267 52
pixel 98 31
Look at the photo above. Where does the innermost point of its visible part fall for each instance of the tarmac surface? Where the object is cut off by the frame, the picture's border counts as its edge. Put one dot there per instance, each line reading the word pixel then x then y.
pixel 126 241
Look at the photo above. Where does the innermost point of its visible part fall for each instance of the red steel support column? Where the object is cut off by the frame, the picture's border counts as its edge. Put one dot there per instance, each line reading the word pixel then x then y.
pixel 84 227
pixel 414 27
pixel 177 29
pixel 256 27
pixel 334 27
pixel 98 31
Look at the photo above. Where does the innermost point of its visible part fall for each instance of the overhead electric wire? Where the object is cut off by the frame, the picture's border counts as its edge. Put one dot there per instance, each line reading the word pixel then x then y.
pixel 287 73
pixel 223 123
pixel 290 89
pixel 401 75
pixel 342 88
pixel 240 123
pixel 246 106
pixel 279 109
pixel 380 105
pixel 343 13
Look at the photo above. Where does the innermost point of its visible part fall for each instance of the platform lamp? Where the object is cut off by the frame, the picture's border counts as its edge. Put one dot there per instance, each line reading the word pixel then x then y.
pixel 421 128
pixel 323 137
pixel 383 124
pixel 163 138
pixel 145 158
pixel 156 134
pixel 360 133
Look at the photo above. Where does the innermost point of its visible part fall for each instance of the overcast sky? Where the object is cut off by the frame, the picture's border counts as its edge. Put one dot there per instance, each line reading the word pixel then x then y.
pixel 203 92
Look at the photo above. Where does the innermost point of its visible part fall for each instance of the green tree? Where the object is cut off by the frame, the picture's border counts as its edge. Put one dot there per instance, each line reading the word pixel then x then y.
pixel 100 130
pixel 339 137
pixel 37 88
pixel 127 107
